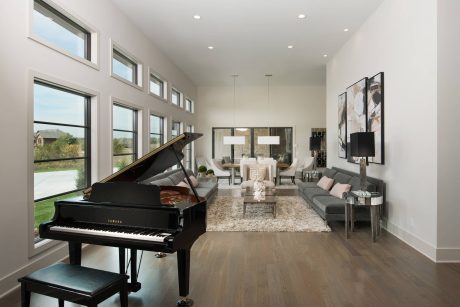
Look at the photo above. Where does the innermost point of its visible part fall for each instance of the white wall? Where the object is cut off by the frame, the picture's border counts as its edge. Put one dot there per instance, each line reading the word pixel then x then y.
pixel 399 38
pixel 448 130
pixel 18 56
pixel 301 107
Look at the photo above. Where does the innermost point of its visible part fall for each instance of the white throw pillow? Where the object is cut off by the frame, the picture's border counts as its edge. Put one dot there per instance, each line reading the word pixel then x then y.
pixel 183 184
pixel 325 183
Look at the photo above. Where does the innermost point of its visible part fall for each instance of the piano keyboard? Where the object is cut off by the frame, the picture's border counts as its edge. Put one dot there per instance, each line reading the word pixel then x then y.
pixel 141 234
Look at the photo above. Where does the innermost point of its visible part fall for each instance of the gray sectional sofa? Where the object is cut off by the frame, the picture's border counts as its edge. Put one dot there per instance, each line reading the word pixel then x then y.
pixel 331 208
pixel 206 188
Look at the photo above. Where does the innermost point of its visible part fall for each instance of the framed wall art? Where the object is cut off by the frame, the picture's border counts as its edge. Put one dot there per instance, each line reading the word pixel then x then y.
pixel 356 112
pixel 375 115
pixel 342 125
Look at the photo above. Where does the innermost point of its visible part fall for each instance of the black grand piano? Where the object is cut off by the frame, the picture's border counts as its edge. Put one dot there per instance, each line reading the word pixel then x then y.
pixel 124 211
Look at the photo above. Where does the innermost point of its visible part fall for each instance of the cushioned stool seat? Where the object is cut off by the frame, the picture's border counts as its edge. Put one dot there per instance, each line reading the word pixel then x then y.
pixel 81 285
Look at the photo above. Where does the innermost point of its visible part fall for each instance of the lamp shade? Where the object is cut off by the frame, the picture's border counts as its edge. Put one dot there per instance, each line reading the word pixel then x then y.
pixel 268 140
pixel 362 144
pixel 315 143
pixel 234 140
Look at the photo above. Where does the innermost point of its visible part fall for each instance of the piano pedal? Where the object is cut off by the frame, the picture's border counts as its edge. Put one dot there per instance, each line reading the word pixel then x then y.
pixel 160 255
pixel 184 302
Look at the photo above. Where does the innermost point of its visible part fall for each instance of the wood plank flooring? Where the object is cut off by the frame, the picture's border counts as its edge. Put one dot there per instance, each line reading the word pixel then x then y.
pixel 288 269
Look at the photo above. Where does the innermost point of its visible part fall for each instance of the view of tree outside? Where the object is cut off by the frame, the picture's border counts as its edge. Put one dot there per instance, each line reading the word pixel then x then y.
pixel 156 131
pixel 60 147
pixel 124 136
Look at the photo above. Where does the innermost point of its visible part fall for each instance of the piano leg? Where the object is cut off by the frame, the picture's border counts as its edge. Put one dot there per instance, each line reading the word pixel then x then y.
pixel 183 268
pixel 121 259
pixel 75 252
pixel 134 285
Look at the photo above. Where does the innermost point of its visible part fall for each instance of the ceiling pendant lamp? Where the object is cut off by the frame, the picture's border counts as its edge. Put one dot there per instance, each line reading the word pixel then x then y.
pixel 268 140
pixel 234 140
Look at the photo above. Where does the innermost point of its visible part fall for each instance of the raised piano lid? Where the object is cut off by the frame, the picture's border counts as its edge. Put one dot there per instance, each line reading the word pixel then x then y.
pixel 153 163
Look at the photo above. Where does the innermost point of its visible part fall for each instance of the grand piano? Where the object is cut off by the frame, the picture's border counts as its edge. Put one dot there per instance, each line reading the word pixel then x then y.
pixel 124 211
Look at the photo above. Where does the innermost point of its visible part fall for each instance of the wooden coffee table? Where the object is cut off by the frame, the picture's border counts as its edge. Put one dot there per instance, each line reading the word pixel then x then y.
pixel 268 198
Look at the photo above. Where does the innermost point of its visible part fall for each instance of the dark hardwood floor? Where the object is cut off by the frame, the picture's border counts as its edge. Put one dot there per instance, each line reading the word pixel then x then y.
pixel 288 269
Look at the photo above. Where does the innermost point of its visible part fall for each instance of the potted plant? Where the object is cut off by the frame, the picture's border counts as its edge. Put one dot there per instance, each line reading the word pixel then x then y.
pixel 202 170
pixel 210 173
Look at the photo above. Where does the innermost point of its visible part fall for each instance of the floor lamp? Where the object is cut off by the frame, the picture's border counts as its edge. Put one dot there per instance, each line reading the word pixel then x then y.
pixel 362 144
pixel 315 146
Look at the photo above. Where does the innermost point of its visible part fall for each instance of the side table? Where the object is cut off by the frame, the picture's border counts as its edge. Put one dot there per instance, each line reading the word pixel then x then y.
pixel 374 200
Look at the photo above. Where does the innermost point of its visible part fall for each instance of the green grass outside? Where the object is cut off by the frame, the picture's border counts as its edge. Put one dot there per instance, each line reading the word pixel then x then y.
pixel 44 210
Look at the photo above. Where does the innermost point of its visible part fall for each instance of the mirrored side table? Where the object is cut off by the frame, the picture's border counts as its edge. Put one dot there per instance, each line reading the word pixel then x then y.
pixel 374 200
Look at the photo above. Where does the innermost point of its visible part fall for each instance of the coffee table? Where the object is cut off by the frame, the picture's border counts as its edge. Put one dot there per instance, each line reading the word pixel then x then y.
pixel 268 197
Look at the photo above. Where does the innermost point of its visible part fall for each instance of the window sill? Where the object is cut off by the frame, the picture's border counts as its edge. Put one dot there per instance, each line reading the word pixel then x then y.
pixel 136 86
pixel 42 246
pixel 158 97
pixel 64 52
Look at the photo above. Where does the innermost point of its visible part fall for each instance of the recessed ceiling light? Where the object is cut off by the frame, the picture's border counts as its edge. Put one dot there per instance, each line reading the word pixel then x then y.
pixel 325 55
pixel 210 47
pixel 345 30
pixel 290 46
pixel 197 16
pixel 301 16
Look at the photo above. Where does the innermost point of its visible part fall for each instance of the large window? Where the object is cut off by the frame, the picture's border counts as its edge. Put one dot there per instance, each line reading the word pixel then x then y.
pixel 176 97
pixel 281 152
pixel 189 163
pixel 58 29
pixel 61 147
pixel 176 129
pixel 156 131
pixel 124 138
pixel 157 86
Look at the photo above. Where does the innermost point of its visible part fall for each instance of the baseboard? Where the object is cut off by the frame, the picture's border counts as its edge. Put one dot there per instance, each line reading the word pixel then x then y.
pixel 10 282
pixel 412 240
pixel 448 255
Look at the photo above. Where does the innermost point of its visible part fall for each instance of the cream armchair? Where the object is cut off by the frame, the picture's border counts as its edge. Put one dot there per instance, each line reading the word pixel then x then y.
pixel 272 163
pixel 246 179
pixel 290 171
pixel 219 171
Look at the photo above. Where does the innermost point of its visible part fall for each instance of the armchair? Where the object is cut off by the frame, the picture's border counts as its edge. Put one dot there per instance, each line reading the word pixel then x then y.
pixel 290 171
pixel 219 171
pixel 272 163
pixel 246 179
pixel 307 166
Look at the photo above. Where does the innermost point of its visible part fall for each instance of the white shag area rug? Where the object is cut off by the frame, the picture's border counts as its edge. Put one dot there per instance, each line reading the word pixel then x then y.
pixel 225 213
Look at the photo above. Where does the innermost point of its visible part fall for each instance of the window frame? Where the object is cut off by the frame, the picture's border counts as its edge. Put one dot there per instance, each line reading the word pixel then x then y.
pixel 39 247
pixel 137 125
pixel 189 150
pixel 164 96
pixel 163 129
pixel 138 81
pixel 91 43
pixel 191 105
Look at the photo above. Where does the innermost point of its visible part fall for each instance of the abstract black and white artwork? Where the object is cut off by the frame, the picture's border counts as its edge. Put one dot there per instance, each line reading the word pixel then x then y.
pixel 356 112
pixel 375 115
pixel 342 120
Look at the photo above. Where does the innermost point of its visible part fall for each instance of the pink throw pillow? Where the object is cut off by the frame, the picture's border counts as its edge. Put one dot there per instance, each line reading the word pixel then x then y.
pixel 183 184
pixel 339 189
pixel 325 183
pixel 193 180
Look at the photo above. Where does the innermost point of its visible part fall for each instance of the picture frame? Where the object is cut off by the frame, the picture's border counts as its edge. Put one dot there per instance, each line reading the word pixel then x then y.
pixel 342 125
pixel 356 112
pixel 375 115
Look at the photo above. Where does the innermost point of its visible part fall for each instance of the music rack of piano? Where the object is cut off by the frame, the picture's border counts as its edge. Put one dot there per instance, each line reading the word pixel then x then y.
pixel 124 211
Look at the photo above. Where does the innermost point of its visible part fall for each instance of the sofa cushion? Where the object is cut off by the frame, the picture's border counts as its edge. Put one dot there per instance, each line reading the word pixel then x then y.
pixel 176 177
pixel 313 192
pixel 193 180
pixel 342 178
pixel 162 182
pixel 329 172
pixel 305 185
pixel 330 204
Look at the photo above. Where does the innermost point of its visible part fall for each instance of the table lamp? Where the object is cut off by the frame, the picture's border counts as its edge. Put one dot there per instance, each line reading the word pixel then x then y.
pixel 362 145
pixel 315 146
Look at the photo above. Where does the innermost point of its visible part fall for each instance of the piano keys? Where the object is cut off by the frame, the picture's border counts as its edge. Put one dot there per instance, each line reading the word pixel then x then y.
pixel 124 211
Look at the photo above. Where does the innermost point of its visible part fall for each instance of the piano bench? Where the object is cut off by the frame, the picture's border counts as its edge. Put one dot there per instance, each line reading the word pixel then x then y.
pixel 74 283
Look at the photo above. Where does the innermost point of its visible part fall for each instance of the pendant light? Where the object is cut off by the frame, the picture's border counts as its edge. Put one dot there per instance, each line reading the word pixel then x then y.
pixel 268 140
pixel 234 140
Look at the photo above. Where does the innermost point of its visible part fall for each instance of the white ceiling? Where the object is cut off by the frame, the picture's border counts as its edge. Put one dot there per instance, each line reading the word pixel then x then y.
pixel 250 36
